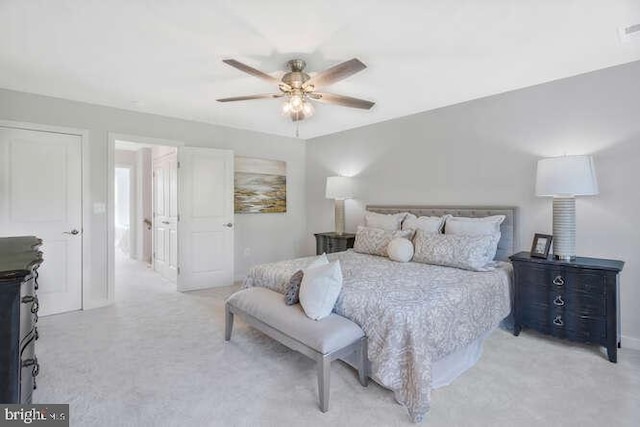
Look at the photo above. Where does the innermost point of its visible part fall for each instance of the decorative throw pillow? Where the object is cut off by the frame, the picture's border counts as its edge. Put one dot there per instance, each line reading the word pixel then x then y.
pixel 292 289
pixel 452 250
pixel 320 289
pixel 430 224
pixel 386 222
pixel 400 249
pixel 292 295
pixel 374 241
pixel 489 225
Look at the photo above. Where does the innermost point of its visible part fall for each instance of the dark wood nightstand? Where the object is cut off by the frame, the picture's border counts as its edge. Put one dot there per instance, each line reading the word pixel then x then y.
pixel 332 242
pixel 577 300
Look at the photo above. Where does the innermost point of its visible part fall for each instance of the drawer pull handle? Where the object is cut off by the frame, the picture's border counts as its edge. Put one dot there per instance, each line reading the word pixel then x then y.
pixel 558 321
pixel 35 304
pixel 558 301
pixel 36 368
pixel 29 362
pixel 558 280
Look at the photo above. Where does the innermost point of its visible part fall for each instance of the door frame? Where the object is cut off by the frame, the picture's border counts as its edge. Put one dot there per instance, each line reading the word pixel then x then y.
pixel 85 196
pixel 112 137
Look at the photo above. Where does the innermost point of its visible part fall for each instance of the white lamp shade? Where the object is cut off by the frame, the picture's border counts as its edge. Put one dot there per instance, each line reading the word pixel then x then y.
pixel 566 176
pixel 340 188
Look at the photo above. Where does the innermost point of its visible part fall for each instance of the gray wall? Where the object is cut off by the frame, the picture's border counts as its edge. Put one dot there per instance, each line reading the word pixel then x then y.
pixel 485 152
pixel 268 236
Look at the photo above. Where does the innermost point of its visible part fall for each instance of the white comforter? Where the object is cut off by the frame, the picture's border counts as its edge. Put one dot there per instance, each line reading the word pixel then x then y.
pixel 413 314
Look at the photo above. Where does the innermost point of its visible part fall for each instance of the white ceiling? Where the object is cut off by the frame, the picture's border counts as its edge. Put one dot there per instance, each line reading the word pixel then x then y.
pixel 164 56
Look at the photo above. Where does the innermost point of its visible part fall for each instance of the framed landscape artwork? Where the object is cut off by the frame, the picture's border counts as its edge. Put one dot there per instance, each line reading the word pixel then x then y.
pixel 260 185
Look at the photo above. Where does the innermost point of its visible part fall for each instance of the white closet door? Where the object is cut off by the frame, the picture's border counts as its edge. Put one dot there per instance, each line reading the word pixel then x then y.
pixel 205 238
pixel 41 195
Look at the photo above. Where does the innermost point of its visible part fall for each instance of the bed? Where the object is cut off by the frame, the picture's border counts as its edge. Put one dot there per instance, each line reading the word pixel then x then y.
pixel 425 323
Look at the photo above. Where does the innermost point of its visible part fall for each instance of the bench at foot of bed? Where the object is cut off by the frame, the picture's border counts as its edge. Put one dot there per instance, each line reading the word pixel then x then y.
pixel 324 340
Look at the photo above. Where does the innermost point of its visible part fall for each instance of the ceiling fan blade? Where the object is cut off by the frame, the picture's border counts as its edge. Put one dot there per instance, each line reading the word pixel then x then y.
pixel 347 101
pixel 250 97
pixel 250 70
pixel 336 73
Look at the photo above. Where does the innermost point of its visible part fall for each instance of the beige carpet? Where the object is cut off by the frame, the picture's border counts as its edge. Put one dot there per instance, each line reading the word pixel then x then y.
pixel 158 358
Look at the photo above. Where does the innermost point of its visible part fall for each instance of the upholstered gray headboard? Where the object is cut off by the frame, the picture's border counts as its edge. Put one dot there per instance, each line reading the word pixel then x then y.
pixel 507 245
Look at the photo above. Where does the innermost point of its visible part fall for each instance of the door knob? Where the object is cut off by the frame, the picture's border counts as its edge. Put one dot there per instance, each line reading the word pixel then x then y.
pixel 72 232
pixel 228 225
pixel 166 222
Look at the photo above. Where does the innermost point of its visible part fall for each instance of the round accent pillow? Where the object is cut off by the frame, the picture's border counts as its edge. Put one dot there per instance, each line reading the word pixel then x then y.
pixel 400 249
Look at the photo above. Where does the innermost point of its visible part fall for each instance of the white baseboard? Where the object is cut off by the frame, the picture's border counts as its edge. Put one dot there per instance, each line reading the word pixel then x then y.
pixel 630 342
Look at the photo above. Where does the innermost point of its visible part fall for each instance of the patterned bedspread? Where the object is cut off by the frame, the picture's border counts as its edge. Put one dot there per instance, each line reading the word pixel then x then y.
pixel 413 314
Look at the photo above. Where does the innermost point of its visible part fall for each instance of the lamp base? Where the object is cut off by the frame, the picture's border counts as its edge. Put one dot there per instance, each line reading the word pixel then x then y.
pixel 564 228
pixel 566 258
pixel 339 217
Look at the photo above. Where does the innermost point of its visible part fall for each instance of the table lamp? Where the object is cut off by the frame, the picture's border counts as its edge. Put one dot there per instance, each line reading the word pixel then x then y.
pixel 339 188
pixel 564 178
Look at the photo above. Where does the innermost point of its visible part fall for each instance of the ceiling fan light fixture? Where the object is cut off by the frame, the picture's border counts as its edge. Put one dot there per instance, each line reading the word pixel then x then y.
pixel 296 102
pixel 298 87
pixel 307 109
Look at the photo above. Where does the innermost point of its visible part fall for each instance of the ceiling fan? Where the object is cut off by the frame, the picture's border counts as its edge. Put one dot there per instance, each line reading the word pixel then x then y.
pixel 299 88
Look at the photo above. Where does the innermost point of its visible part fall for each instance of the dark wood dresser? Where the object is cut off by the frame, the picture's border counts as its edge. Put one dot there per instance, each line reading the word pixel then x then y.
pixel 332 242
pixel 577 300
pixel 19 261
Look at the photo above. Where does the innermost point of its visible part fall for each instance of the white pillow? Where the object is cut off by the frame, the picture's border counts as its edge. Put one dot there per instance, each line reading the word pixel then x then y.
pixel 473 226
pixel 319 260
pixel 430 224
pixel 400 249
pixel 319 290
pixel 386 222
pixel 454 250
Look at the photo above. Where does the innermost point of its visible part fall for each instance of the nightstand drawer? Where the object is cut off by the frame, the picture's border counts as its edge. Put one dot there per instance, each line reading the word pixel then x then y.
pixel 531 275
pixel 332 242
pixel 577 327
pixel 535 294
pixel 585 303
pixel 565 324
pixel 335 245
pixel 589 281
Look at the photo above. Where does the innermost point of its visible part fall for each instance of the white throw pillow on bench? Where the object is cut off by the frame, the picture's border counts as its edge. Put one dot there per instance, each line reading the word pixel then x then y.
pixel 320 288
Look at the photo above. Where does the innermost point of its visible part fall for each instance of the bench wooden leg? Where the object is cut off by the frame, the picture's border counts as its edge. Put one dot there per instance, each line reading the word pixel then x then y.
pixel 362 362
pixel 228 323
pixel 324 382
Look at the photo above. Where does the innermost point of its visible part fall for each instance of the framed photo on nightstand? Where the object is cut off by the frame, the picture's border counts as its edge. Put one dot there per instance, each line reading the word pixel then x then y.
pixel 541 245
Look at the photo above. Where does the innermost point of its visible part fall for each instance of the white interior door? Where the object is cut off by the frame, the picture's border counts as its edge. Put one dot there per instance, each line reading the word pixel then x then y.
pixel 165 222
pixel 41 195
pixel 205 238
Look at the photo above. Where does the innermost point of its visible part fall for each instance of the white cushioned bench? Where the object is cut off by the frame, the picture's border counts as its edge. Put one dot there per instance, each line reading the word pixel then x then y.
pixel 323 340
